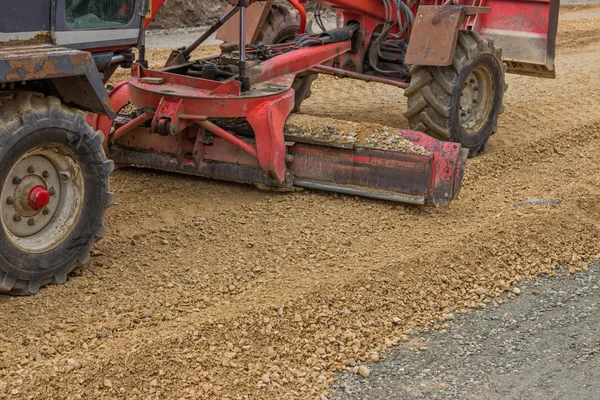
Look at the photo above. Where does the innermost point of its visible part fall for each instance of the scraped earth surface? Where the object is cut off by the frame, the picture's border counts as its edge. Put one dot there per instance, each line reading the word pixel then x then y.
pixel 205 289
pixel 544 345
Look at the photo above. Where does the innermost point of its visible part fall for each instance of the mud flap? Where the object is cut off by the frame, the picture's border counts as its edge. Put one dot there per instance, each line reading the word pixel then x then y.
pixel 435 33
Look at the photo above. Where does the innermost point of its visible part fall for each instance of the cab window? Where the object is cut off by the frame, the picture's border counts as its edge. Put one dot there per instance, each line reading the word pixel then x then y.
pixel 91 14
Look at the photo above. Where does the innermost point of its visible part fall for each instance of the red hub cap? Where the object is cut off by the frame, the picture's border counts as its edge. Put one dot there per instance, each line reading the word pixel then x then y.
pixel 38 197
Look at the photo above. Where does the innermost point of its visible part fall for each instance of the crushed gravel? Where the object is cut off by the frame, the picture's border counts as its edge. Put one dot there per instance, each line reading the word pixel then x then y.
pixel 210 290
pixel 543 345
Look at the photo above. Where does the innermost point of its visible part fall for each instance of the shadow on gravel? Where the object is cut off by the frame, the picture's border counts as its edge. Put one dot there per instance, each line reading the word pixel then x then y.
pixel 543 345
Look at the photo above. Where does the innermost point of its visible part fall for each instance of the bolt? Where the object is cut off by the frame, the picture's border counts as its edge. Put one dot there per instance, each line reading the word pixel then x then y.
pixel 420 18
pixel 452 18
pixel 30 170
pixel 45 174
pixel 31 222
pixel 476 88
pixel 472 81
pixel 46 211
pixel 16 180
pixel 17 218
pixel 52 191
pixel 10 200
pixel 474 101
pixel 463 114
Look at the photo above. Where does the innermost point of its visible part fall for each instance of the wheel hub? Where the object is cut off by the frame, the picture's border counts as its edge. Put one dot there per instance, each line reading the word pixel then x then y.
pixel 40 200
pixel 476 99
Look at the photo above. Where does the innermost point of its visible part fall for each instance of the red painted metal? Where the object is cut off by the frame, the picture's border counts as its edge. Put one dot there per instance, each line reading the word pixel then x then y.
pixel 231 138
pixel 179 137
pixel 38 197
pixel 119 98
pixel 302 13
pixel 267 121
pixel 130 126
pixel 154 6
pixel 296 61
pixel 183 137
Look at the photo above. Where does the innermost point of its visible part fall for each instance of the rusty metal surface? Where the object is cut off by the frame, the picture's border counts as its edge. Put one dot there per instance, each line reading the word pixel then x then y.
pixel 39 38
pixel 434 35
pixel 72 73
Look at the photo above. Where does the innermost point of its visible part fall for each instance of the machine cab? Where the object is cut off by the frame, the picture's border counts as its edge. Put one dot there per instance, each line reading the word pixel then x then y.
pixel 97 24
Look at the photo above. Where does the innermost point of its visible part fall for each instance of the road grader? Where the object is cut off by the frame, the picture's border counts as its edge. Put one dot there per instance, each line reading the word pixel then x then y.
pixel 224 116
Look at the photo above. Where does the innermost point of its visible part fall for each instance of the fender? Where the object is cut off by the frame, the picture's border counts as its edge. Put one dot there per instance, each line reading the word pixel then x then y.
pixel 68 74
pixel 435 33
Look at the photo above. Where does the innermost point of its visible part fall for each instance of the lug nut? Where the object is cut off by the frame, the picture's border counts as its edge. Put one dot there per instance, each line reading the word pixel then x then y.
pixel 472 81
pixel 474 101
pixel 46 211
pixel 10 201
pixel 31 222
pixel 463 114
pixel 17 218
pixel 52 191
pixel 45 174
pixel 476 88
pixel 30 169
pixel 16 180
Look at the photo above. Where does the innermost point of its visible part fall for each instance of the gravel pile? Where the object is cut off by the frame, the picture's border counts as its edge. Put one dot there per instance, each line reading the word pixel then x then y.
pixel 362 134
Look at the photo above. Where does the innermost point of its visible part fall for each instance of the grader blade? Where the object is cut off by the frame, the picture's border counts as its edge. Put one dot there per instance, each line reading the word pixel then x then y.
pixel 430 178
pixel 368 160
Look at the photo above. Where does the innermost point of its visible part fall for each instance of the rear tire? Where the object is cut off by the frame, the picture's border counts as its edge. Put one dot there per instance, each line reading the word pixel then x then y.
pixel 460 102
pixel 281 26
pixel 50 148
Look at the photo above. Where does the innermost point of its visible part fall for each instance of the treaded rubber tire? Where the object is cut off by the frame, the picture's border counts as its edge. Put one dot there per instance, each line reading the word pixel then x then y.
pixel 28 121
pixel 434 93
pixel 281 25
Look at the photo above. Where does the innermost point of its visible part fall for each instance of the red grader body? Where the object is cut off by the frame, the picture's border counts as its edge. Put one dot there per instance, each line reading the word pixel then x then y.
pixel 225 116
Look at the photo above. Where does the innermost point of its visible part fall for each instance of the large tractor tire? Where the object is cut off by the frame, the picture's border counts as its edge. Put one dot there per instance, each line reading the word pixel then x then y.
pixel 281 26
pixel 460 102
pixel 54 194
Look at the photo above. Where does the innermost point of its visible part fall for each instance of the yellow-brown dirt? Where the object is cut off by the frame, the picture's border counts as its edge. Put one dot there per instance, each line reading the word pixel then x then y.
pixel 204 289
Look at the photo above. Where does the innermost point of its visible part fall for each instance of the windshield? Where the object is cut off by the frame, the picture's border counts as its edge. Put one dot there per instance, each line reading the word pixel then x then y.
pixel 90 14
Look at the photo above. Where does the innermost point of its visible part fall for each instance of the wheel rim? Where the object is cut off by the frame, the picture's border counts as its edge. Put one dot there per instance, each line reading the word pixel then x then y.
pixel 476 99
pixel 42 199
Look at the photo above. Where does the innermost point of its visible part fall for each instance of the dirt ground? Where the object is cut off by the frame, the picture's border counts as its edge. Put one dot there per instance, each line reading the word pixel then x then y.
pixel 190 13
pixel 178 13
pixel 205 289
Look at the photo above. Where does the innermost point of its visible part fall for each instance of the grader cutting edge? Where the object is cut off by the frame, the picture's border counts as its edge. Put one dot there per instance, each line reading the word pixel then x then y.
pixel 225 116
